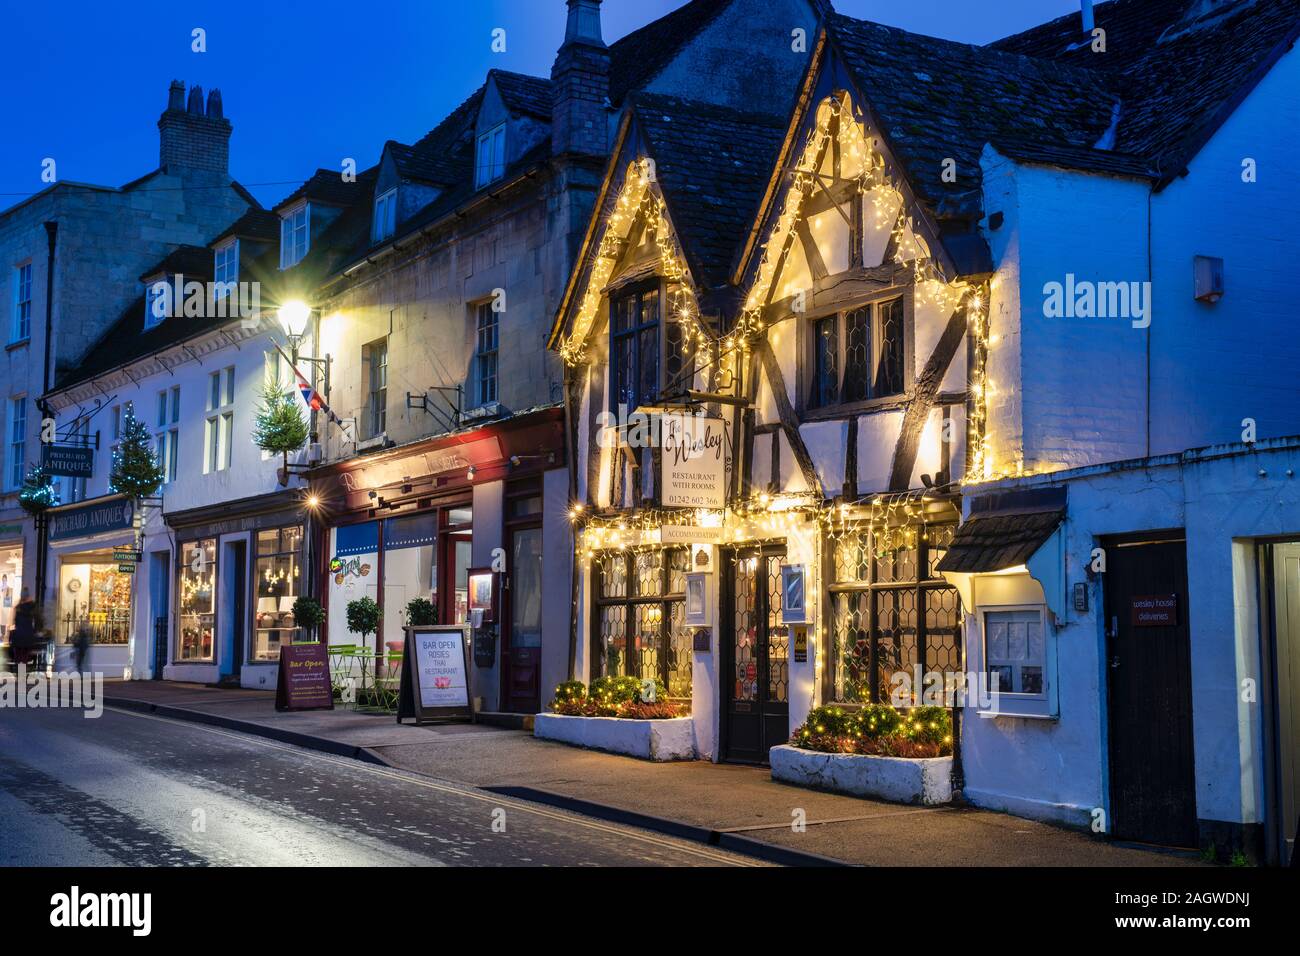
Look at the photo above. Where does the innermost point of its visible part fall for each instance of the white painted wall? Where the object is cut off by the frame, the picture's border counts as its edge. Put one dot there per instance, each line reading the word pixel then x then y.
pixel 1057 769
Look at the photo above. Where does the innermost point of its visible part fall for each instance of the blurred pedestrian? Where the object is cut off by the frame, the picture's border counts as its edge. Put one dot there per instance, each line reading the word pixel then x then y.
pixel 26 634
pixel 81 646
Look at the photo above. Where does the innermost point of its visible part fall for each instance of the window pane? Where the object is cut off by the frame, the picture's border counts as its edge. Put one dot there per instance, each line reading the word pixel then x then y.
pixel 857 354
pixel 825 352
pixel 198 575
pixel 889 367
pixel 648 359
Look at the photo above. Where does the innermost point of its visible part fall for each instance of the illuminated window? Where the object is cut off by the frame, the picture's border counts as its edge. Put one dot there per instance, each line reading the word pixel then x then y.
pixel 856 355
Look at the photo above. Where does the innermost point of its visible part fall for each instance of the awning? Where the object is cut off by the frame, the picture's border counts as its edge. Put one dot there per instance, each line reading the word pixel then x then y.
pixel 1004 530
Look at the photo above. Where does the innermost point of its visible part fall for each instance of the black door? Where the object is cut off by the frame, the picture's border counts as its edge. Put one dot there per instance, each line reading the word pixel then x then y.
pixel 757 708
pixel 1152 783
pixel 521 630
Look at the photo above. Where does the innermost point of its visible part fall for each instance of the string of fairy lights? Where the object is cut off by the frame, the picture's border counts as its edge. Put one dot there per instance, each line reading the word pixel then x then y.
pixel 889 521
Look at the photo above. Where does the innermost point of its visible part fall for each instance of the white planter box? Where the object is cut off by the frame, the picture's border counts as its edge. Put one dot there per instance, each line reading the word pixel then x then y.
pixel 671 739
pixel 926 781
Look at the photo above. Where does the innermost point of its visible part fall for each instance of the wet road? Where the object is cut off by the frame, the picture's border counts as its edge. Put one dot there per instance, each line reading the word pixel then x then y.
pixel 130 789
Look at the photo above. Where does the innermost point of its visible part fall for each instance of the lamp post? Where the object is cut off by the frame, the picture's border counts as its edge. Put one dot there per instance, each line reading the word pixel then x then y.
pixel 295 315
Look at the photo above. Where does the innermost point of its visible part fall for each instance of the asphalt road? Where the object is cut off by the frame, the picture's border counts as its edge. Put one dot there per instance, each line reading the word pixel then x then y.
pixel 130 789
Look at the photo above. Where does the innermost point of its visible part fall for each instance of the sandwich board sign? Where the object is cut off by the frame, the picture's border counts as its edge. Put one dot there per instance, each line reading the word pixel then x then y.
pixel 304 680
pixel 435 674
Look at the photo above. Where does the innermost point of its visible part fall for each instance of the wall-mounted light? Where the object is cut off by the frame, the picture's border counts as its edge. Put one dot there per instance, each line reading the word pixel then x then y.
pixel 293 316
pixel 1208 272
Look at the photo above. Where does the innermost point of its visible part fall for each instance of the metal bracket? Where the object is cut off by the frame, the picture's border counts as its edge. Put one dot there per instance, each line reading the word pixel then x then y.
pixel 450 417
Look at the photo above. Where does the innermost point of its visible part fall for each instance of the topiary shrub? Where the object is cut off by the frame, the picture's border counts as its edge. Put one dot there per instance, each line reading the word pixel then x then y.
pixel 363 616
pixel 308 614
pixel 420 612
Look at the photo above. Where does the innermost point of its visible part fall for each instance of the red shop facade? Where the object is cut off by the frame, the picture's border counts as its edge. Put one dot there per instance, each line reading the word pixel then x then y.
pixel 410 522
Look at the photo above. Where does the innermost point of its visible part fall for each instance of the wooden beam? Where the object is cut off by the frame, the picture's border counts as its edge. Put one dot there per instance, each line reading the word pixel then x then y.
pixel 789 420
pixel 924 391
pixel 811 253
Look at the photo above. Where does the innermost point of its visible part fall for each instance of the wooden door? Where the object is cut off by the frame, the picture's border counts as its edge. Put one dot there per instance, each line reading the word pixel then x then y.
pixel 1152 780
pixel 756 714
pixel 521 630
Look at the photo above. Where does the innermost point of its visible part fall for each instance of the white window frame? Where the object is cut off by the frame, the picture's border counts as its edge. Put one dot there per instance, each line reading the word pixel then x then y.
pixel 483 355
pixel 16 446
pixel 385 218
pixel 295 230
pixel 168 434
pixel 376 390
pixel 225 267
pixel 1011 704
pixel 219 424
pixel 20 326
pixel 150 319
pixel 490 156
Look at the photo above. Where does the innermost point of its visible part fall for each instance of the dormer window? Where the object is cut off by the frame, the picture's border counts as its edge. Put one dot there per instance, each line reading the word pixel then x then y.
pixel 225 267
pixel 491 164
pixel 294 235
pixel 385 223
pixel 157 301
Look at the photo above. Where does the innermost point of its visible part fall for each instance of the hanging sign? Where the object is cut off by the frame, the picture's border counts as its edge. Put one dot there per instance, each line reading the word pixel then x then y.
pixel 435 674
pixel 1155 610
pixel 693 471
pixel 70 461
pixel 801 643
pixel 92 517
pixel 304 681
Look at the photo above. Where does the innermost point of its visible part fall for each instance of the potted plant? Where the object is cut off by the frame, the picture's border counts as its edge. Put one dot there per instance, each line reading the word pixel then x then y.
pixel 363 617
pixel 279 427
pixel 621 715
pixel 421 611
pixel 308 615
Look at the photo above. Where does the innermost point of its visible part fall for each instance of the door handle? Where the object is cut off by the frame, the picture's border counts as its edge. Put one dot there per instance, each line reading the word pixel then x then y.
pixel 1114 662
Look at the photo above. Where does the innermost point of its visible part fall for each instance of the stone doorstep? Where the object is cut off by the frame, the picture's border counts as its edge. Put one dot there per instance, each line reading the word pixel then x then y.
pixel 672 738
pixel 926 781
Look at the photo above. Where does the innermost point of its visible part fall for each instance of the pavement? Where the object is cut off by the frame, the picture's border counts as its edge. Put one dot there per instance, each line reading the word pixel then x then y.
pixel 732 807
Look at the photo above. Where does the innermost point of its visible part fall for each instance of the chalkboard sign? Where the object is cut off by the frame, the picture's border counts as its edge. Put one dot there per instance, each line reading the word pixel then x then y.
pixel 485 648
pixel 304 682
pixel 435 674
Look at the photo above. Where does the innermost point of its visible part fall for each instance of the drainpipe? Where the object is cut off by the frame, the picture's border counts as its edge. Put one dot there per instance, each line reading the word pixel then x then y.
pixel 1088 20
pixel 51 233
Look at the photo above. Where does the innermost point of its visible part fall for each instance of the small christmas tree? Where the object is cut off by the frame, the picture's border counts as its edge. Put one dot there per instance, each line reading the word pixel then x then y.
pixel 279 427
pixel 38 492
pixel 136 471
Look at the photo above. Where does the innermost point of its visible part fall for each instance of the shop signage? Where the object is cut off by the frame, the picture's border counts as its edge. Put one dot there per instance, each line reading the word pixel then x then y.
pixel 435 674
pixel 71 461
pixel 688 534
pixel 801 644
pixel 485 648
pixel 93 517
pixel 11 530
pixel 1155 610
pixel 123 557
pixel 304 681
pixel 126 569
pixel 694 462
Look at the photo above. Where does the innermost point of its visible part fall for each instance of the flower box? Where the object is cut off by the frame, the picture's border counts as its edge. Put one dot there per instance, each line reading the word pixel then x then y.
pixel 926 780
pixel 668 739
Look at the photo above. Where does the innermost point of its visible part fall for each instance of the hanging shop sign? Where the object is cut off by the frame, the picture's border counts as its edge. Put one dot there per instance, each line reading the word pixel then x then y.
pixel 69 461
pixel 435 674
pixel 304 681
pixel 93 517
pixel 694 462
pixel 1155 610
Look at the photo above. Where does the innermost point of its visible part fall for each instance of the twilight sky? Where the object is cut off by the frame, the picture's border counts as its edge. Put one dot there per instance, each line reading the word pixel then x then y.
pixel 306 84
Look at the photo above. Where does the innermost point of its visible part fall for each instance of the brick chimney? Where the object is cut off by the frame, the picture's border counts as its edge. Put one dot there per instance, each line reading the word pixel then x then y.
pixel 192 135
pixel 580 80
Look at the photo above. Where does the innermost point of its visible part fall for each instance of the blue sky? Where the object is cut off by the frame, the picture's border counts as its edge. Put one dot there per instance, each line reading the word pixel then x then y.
pixel 308 84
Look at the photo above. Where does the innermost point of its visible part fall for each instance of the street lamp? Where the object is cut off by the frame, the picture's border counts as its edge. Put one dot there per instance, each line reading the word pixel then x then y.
pixel 294 316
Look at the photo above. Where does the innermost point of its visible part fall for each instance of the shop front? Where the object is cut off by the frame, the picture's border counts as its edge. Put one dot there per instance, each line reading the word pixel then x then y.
pixel 238 571
pixel 754 614
pixel 12 548
pixel 408 525
pixel 93 580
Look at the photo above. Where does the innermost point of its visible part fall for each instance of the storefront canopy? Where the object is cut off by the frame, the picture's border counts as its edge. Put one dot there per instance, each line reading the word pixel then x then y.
pixel 1004 530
